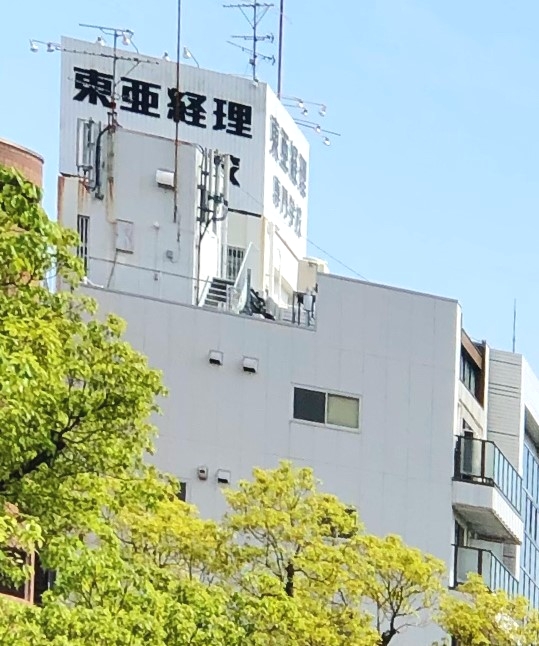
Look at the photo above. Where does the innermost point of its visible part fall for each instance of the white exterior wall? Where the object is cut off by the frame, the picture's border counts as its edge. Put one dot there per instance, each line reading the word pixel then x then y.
pixel 505 411
pixel 394 349
pixel 134 196
pixel 251 196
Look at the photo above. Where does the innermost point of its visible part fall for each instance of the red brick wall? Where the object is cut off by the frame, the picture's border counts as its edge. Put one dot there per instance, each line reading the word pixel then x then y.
pixel 30 164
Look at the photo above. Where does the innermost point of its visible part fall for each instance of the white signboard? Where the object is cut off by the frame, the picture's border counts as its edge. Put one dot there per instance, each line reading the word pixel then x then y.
pixel 269 154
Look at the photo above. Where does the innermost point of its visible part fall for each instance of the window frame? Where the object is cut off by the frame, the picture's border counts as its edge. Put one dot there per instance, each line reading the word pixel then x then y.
pixel 83 231
pixel 470 374
pixel 233 254
pixel 183 492
pixel 327 393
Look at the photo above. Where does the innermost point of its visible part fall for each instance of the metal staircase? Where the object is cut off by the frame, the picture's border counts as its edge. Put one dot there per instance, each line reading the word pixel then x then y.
pixel 217 295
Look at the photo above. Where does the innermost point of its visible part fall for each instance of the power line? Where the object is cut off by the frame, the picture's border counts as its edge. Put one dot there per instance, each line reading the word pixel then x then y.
pixel 340 262
pixel 329 255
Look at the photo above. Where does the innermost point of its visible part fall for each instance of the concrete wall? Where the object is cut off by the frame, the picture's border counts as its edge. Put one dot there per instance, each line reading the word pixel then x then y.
pixel 160 265
pixel 396 350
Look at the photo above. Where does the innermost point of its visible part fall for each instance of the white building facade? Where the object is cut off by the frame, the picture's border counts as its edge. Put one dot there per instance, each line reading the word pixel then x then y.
pixel 265 355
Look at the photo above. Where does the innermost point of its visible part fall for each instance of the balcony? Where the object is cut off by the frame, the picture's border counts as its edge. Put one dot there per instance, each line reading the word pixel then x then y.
pixel 487 491
pixel 474 560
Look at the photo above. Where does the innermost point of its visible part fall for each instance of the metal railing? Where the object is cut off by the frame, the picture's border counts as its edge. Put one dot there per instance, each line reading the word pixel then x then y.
pixel 483 562
pixel 173 287
pixel 482 462
pixel 237 293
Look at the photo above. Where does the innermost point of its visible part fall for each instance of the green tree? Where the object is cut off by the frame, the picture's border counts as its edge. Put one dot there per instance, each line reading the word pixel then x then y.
pixel 289 564
pixel 289 540
pixel 133 562
pixel 75 397
pixel 477 616
pixel 405 586
pixel 141 581
pixel 292 545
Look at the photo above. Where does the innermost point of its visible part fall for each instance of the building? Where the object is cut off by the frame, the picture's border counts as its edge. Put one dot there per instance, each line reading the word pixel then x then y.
pixel 266 355
pixel 27 162
pixel 30 165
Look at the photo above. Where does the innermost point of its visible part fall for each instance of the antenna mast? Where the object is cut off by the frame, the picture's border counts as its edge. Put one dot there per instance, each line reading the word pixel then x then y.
pixel 259 10
pixel 514 325
pixel 280 52
pixel 177 113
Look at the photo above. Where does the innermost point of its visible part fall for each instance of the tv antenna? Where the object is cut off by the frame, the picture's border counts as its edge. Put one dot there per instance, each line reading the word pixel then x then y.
pixel 254 13
pixel 127 39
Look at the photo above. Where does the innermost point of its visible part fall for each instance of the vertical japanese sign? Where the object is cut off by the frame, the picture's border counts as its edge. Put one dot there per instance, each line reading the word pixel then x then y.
pixel 287 168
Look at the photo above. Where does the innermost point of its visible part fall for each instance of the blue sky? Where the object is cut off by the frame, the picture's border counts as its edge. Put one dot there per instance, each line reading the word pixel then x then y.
pixel 432 186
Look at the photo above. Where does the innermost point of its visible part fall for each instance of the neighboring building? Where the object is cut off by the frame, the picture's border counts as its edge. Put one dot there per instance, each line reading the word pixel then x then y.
pixel 30 164
pixel 27 162
pixel 266 355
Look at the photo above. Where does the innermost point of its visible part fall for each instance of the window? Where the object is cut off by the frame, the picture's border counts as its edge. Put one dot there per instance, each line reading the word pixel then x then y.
pixel 43 580
pixel 326 408
pixel 182 493
pixel 469 373
pixel 234 260
pixel 310 405
pixel 20 591
pixel 343 411
pixel 460 536
pixel 83 223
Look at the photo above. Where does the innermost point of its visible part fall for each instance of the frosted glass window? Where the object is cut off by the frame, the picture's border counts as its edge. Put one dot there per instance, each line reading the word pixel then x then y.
pixel 343 411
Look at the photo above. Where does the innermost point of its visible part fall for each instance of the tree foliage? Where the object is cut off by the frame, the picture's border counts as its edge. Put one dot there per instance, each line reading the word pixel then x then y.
pixel 288 564
pixel 477 616
pixel 291 540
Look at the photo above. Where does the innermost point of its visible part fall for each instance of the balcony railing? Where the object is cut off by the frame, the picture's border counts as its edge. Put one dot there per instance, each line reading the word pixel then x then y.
pixel 482 462
pixel 495 575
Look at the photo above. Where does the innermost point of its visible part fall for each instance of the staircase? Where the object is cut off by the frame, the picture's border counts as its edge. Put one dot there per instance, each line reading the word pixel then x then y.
pixel 217 293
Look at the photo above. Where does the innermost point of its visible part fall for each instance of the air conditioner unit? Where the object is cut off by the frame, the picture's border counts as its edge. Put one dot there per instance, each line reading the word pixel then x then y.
pixel 308 270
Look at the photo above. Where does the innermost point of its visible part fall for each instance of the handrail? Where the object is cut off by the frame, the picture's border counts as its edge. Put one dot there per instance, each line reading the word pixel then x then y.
pixel 237 293
pixel 481 461
pixel 485 563
pixel 243 264
pixel 204 291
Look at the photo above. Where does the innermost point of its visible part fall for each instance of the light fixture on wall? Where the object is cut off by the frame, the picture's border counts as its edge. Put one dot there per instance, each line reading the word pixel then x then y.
pixel 312 125
pixel 188 54
pixel 50 47
pixel 126 35
pixel 301 104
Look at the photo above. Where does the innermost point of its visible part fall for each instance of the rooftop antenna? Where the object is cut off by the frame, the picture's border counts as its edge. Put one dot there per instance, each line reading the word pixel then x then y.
pixel 127 39
pixel 280 51
pixel 176 103
pixel 126 35
pixel 259 10
pixel 514 325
